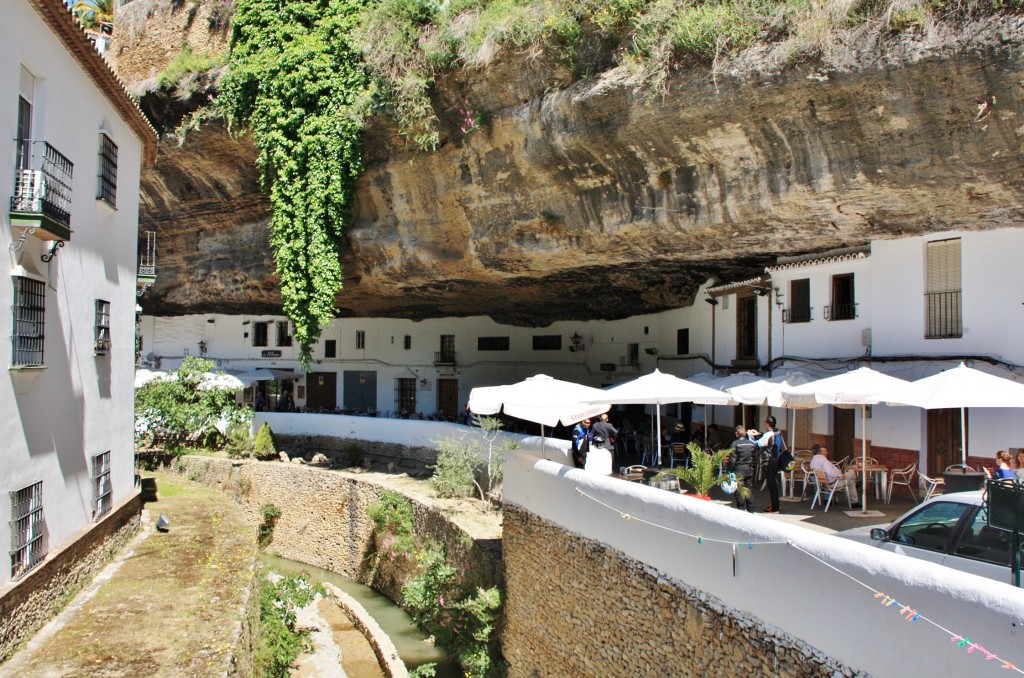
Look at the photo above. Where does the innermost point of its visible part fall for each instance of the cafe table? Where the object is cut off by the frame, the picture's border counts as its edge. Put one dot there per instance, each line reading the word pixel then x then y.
pixel 878 471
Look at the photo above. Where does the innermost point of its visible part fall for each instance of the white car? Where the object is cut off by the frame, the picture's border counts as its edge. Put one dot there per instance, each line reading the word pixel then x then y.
pixel 950 529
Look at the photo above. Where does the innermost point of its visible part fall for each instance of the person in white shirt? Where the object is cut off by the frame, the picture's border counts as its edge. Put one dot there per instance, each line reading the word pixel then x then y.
pixel 820 462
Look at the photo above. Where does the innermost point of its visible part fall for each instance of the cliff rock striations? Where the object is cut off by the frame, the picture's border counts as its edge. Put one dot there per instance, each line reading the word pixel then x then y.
pixel 598 199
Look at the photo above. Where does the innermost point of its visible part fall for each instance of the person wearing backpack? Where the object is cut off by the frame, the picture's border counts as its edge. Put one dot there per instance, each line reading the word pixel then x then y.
pixel 772 443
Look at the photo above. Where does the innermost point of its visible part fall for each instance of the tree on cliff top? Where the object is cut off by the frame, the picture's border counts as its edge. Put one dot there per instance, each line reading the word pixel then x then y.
pixel 302 91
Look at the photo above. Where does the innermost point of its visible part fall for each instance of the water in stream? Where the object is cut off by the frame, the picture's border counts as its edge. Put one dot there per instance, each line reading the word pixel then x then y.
pixel 413 645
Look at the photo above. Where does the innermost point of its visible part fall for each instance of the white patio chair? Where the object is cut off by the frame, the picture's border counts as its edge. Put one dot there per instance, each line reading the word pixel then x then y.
pixel 823 487
pixel 930 486
pixel 960 467
pixel 902 476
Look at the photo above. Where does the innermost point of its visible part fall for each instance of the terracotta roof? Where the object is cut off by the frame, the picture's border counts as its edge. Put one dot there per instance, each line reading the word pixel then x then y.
pixel 846 254
pixel 727 288
pixel 66 27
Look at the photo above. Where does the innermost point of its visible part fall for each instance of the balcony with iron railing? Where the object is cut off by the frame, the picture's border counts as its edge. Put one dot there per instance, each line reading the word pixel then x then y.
pixel 840 311
pixel 444 358
pixel 146 276
pixel 797 314
pixel 42 191
pixel 944 315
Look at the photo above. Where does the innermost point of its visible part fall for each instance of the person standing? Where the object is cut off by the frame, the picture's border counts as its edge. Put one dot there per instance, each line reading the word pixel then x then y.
pixel 603 434
pixel 741 462
pixel 581 443
pixel 285 402
pixel 771 441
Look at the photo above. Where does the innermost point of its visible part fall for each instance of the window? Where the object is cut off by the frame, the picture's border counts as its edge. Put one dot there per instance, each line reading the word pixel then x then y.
pixel 24 130
pixel 492 343
pixel 405 396
pixel 746 328
pixel 29 319
pixel 931 527
pixel 107 189
pixel 28 529
pixel 843 305
pixel 632 357
pixel 981 541
pixel 407 342
pixel 360 339
pixel 331 348
pixel 943 296
pixel 547 342
pixel 101 489
pixel 447 353
pixel 683 341
pixel 284 337
pixel 259 334
pixel 101 330
pixel 799 310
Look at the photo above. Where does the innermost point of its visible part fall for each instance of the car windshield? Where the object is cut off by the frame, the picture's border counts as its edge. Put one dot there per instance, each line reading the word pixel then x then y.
pixel 930 527
pixel 983 542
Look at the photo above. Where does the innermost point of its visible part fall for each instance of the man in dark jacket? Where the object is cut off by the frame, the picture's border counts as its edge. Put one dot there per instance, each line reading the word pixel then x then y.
pixel 581 443
pixel 603 435
pixel 741 462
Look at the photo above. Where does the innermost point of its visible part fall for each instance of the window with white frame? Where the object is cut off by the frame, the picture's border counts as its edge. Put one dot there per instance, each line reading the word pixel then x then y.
pixel 101 488
pixel 101 330
pixel 28 529
pixel 284 337
pixel 29 316
pixel 107 174
pixel 943 292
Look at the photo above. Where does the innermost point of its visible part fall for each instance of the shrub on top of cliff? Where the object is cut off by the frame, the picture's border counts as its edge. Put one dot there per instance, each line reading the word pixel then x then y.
pixel 181 71
pixel 264 446
pixel 303 92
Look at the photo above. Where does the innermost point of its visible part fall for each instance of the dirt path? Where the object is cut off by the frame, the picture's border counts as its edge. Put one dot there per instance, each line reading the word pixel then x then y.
pixel 172 606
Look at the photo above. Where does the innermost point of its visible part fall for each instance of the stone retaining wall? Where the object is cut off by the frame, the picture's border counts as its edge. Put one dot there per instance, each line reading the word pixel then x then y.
pixel 341 450
pixel 578 607
pixel 325 519
pixel 387 654
pixel 27 604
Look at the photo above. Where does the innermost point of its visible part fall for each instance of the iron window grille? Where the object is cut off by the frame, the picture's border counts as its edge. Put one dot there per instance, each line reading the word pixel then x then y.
pixel 405 396
pixel 547 342
pixel 284 337
pixel 101 333
pixel 841 312
pixel 29 316
pixel 259 334
pixel 798 314
pixel 492 343
pixel 101 487
pixel 107 188
pixel 360 339
pixel 42 182
pixel 28 529
pixel 407 342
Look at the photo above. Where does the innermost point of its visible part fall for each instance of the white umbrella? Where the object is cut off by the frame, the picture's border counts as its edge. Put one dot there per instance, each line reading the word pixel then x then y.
pixel 725 383
pixel 541 399
pixel 213 380
pixel 862 387
pixel 961 387
pixel 658 388
pixel 144 376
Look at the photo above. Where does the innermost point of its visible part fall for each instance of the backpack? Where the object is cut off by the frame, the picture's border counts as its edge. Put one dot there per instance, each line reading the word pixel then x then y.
pixel 782 452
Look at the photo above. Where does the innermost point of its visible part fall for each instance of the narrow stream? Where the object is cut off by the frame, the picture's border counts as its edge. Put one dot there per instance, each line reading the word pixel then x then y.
pixel 413 645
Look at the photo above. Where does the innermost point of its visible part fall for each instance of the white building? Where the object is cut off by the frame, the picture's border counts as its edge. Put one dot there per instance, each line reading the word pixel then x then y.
pixel 73 143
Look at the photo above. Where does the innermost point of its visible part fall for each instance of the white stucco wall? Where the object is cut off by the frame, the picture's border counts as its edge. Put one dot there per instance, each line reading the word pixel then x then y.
pixel 55 419
pixel 804 583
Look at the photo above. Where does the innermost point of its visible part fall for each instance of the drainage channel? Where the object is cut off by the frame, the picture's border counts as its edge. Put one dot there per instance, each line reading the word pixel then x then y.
pixel 413 645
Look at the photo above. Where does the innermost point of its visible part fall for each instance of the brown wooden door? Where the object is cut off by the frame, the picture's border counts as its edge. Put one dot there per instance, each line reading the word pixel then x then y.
pixel 448 397
pixel 322 391
pixel 801 436
pixel 943 440
pixel 842 428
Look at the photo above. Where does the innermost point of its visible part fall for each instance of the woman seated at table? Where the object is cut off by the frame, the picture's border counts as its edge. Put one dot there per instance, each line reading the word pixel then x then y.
pixel 1020 463
pixel 1005 465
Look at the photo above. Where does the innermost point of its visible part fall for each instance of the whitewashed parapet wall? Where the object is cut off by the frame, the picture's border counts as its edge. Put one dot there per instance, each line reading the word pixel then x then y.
pixel 804 585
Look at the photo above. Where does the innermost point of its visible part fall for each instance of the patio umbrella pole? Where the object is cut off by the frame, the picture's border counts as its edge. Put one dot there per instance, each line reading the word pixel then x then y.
pixel 658 432
pixel 864 458
pixel 963 435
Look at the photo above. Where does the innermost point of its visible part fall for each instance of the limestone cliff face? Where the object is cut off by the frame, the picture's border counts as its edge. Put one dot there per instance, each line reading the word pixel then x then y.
pixel 596 200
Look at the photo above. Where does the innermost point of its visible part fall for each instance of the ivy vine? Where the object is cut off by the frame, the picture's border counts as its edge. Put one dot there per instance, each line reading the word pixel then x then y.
pixel 298 85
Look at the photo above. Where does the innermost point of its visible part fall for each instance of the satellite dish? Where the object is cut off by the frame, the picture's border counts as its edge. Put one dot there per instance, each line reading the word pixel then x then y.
pixel 151 357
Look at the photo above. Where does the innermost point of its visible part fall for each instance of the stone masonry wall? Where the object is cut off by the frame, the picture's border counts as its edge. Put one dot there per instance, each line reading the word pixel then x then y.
pixel 577 607
pixel 339 450
pixel 27 604
pixel 325 522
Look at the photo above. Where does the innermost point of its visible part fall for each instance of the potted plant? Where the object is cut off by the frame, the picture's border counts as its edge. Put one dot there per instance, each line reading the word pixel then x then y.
pixel 703 472
pixel 101 346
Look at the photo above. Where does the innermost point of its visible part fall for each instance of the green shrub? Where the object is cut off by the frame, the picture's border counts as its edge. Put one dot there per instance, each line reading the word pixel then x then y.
pixel 264 446
pixel 240 442
pixel 352 454
pixel 472 460
pixel 185 64
pixel 393 518
pixel 270 514
pixel 278 643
